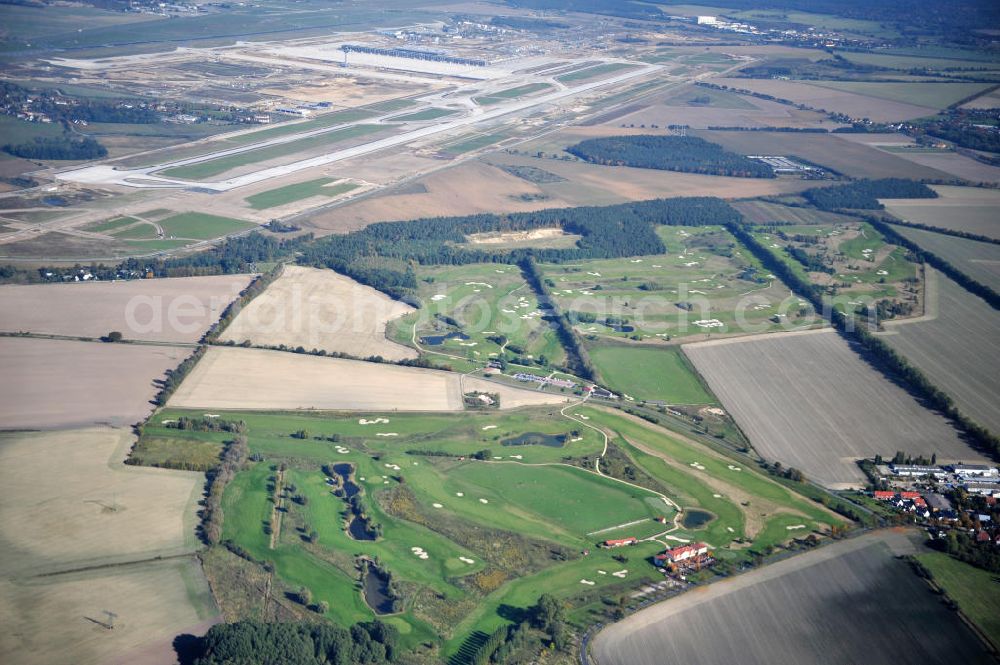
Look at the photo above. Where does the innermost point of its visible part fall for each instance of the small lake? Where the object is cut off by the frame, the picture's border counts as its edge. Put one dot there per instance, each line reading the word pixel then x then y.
pixel 437 340
pixel 55 201
pixel 621 329
pixel 357 528
pixel 695 519
pixel 376 591
pixel 345 471
pixel 536 439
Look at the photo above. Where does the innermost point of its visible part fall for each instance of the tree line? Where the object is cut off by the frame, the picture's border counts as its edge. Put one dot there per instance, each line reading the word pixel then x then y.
pixel 256 642
pixel 688 154
pixel 65 146
pixel 864 194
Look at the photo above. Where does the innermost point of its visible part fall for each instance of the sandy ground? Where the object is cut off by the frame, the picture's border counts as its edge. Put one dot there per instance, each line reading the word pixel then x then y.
pixel 970 209
pixel 169 310
pixel 235 378
pixel 56 384
pixel 67 500
pixel 68 503
pixel 800 610
pixel 53 620
pixel 764 114
pixel 859 106
pixel 810 402
pixel 320 309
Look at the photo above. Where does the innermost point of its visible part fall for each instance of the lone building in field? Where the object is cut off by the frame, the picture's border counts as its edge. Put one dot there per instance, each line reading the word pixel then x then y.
pixel 620 542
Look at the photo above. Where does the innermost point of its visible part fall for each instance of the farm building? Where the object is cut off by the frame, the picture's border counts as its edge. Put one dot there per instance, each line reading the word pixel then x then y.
pixel 986 489
pixel 975 470
pixel 918 470
pixel 910 496
pixel 620 542
pixel 884 495
pixel 682 553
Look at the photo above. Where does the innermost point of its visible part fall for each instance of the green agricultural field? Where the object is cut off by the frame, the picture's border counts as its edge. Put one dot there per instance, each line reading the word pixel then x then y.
pixel 138 231
pixel 284 129
pixel 426 114
pixel 650 373
pixel 471 143
pixel 197 451
pixel 112 224
pixel 932 94
pixel 300 190
pixel 976 591
pixel 213 167
pixel 493 306
pixel 705 283
pixel 201 226
pixel 596 71
pixel 511 93
pixel 715 98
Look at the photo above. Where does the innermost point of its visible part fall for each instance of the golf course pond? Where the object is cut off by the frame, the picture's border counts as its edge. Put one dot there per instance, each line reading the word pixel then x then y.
pixel 695 519
pixel 536 439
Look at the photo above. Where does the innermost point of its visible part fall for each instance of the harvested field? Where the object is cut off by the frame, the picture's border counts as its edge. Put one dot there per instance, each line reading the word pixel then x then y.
pixel 67 501
pixel 320 309
pixel 931 93
pixel 978 260
pixel 956 345
pixel 167 310
pixel 854 104
pixel 808 401
pixel 955 165
pixel 56 384
pixel 828 150
pixel 58 619
pixel 805 607
pixel 968 209
pixel 231 378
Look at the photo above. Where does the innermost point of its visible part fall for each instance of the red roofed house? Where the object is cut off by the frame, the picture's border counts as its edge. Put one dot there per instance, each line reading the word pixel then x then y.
pixel 682 553
pixel 919 502
pixel 983 536
pixel 620 542
pixel 883 495
pixel 909 495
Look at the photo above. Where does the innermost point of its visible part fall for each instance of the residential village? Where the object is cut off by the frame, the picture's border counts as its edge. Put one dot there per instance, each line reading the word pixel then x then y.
pixel 959 498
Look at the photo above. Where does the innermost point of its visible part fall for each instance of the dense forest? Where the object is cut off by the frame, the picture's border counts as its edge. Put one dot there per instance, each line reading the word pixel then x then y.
pixel 864 194
pixel 688 154
pixel 380 255
pixel 59 147
pixel 253 643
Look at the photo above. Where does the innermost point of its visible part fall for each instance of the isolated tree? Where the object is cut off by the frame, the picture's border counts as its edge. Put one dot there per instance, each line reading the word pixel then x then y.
pixel 113 336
